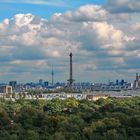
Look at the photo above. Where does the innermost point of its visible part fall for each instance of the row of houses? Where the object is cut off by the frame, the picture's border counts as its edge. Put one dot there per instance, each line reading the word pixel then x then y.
pixel 51 96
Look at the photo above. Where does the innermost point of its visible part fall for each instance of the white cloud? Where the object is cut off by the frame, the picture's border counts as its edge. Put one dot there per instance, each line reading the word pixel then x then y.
pixel 84 13
pixel 136 27
pixel 31 44
pixel 124 5
pixel 30 63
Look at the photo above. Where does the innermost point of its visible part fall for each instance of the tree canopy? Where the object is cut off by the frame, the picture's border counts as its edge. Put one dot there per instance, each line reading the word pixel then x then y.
pixel 105 119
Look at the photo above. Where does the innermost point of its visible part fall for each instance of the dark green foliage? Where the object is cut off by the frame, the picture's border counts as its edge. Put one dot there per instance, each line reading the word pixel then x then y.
pixel 110 119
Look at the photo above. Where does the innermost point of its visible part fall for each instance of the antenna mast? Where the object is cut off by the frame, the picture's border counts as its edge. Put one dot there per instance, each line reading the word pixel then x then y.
pixel 71 80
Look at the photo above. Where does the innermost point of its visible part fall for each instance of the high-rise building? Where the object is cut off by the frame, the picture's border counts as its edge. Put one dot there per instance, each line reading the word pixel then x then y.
pixel 46 83
pixel 13 84
pixel 40 81
pixel 122 82
pixel 136 84
pixel 117 82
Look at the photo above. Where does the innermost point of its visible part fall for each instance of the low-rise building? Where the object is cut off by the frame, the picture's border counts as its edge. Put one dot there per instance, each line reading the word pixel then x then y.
pixel 6 89
pixel 97 97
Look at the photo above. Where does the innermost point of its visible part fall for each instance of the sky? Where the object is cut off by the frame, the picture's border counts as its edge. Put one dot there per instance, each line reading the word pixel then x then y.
pixel 42 8
pixel 104 36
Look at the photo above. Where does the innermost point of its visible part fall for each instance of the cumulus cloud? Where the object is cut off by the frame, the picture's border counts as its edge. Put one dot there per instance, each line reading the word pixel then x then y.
pixel 87 12
pixel 98 39
pixel 124 5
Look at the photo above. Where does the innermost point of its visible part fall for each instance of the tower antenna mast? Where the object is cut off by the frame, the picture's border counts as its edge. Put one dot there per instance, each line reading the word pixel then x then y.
pixel 71 80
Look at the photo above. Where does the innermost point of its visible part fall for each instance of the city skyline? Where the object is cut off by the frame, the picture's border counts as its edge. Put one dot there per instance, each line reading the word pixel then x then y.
pixel 103 36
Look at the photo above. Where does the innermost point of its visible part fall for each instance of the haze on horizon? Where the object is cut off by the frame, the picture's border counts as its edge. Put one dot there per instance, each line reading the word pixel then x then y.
pixel 104 37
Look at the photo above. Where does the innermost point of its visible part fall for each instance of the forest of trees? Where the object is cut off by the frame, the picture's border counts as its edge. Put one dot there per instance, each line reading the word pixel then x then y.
pixel 70 119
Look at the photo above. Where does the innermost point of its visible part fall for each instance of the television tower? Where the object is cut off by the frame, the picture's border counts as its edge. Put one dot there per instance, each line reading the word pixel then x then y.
pixel 52 77
pixel 71 80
